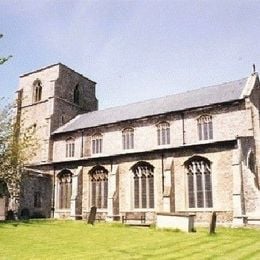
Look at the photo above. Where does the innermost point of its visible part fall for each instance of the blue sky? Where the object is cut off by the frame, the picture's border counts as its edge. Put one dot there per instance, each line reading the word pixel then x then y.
pixel 134 50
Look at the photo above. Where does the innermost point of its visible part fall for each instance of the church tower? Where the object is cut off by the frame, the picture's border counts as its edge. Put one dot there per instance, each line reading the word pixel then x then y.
pixel 50 97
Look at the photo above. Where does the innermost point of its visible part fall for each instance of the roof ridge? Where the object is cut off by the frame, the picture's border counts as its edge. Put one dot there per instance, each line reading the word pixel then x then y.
pixel 170 95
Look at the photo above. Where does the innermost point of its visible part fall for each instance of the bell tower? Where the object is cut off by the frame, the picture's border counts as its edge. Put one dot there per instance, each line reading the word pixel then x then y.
pixel 48 98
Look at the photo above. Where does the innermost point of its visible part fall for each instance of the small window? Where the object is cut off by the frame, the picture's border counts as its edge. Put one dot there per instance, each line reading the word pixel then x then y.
pixel 37 91
pixel 163 133
pixel 70 147
pixel 205 127
pixel 97 140
pixel 76 95
pixel 37 200
pixel 128 138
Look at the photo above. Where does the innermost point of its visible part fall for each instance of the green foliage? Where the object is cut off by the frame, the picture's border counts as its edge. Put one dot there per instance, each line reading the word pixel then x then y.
pixel 76 240
pixel 4 59
pixel 16 147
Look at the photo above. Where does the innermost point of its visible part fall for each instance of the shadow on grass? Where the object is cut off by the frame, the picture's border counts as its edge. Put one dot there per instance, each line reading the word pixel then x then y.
pixel 29 222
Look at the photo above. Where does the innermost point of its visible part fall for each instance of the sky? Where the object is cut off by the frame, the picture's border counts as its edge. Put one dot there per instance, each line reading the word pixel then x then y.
pixel 134 50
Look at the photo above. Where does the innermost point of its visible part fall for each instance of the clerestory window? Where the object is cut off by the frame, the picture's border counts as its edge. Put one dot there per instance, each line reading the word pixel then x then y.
pixel 70 147
pixel 128 138
pixel 97 142
pixel 163 133
pixel 205 127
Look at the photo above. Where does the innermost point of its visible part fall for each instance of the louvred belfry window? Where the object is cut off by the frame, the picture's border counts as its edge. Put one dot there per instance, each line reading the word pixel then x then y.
pixel 99 186
pixel 143 185
pixel 199 183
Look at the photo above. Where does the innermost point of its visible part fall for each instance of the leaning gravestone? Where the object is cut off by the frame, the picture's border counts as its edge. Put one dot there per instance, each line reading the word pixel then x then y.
pixel 212 227
pixel 92 215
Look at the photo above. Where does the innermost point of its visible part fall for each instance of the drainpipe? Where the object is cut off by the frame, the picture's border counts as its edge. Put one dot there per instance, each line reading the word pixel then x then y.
pixel 243 211
pixel 183 130
pixel 53 193
pixel 82 143
pixel 162 172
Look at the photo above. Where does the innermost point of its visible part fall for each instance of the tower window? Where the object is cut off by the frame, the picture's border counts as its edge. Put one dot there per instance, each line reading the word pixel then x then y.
pixel 37 91
pixel 76 95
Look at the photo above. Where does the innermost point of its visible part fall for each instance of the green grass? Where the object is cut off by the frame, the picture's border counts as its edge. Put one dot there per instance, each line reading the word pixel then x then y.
pixel 77 240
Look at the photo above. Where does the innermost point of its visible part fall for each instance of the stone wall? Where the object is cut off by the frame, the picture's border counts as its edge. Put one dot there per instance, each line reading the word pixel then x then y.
pixel 228 123
pixel 32 184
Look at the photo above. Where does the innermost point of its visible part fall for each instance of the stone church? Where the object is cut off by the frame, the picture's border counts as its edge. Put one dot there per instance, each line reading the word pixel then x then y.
pixel 193 152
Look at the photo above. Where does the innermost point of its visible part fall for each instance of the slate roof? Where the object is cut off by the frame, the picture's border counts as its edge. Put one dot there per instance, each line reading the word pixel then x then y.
pixel 191 99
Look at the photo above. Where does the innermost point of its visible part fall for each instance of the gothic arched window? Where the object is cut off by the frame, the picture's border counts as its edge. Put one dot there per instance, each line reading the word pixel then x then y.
pixel 76 95
pixel 205 127
pixel 65 186
pixel 163 133
pixel 199 182
pixel 37 90
pixel 128 138
pixel 99 186
pixel 97 141
pixel 70 147
pixel 143 185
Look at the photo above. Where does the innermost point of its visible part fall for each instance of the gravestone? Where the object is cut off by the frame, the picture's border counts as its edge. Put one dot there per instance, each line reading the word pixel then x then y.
pixel 92 215
pixel 25 214
pixel 212 227
pixel 2 208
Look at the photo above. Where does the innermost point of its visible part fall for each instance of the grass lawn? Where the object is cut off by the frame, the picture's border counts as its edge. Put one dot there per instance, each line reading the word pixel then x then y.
pixel 76 240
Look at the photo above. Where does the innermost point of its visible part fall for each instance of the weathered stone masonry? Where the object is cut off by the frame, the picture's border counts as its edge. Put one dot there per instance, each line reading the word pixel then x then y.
pixel 70 174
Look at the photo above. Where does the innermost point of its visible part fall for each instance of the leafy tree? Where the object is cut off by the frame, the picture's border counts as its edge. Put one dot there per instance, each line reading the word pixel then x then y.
pixel 16 148
pixel 4 59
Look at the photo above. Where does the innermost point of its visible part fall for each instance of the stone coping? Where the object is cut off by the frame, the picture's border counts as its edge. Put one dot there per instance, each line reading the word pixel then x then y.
pixel 176 214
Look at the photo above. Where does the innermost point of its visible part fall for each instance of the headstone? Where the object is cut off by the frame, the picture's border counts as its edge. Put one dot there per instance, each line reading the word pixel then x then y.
pixel 212 227
pixel 92 215
pixel 25 214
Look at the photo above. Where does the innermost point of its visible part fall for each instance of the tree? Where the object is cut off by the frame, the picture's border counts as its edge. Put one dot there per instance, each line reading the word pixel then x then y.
pixel 16 148
pixel 4 59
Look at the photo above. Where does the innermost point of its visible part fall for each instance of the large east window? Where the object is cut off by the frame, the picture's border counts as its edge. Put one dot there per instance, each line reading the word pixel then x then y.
pixel 163 133
pixel 205 127
pixel 65 185
pixel 128 138
pixel 199 183
pixel 143 179
pixel 97 142
pixel 99 187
